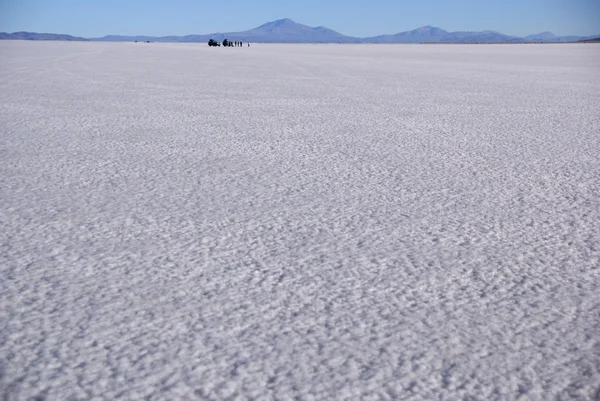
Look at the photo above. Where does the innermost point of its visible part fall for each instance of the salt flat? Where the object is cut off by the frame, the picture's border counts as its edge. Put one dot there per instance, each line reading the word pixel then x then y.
pixel 309 222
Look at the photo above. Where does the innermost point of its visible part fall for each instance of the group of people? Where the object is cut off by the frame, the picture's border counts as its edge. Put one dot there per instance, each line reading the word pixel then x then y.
pixel 233 44
pixel 226 43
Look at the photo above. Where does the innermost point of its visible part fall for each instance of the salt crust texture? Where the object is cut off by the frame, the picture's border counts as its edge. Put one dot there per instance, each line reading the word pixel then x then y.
pixel 299 222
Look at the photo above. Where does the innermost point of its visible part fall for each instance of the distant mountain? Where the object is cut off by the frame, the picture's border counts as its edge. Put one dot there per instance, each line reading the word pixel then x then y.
pixel 591 40
pixel 574 38
pixel 552 38
pixel 431 34
pixel 120 38
pixel 280 31
pixel 542 37
pixel 37 36
pixel 188 38
pixel 141 38
pixel 480 37
pixel 423 34
pixel 287 31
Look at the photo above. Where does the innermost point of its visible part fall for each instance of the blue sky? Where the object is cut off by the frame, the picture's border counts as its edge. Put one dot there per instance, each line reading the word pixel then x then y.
pixel 93 18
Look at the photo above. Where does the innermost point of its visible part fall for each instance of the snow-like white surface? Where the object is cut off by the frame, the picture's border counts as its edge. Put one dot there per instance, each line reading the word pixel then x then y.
pixel 305 222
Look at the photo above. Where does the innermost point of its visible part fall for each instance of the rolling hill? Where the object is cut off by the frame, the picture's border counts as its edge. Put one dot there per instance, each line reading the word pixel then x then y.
pixel 37 36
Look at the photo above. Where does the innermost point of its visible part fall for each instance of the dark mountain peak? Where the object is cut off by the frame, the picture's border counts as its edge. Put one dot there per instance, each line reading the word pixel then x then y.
pixel 286 30
pixel 428 30
pixel 285 22
pixel 542 36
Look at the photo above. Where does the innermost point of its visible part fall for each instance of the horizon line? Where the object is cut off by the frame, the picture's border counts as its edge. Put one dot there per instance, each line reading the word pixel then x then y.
pixel 289 19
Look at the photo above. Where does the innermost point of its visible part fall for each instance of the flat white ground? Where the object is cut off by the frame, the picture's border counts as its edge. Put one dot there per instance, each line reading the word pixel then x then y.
pixel 305 222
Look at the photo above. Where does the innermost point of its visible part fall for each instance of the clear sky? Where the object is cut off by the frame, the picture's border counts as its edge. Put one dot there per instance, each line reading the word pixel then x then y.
pixel 94 18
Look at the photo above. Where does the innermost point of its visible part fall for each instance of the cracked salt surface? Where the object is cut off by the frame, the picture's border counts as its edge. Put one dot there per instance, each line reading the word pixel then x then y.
pixel 301 222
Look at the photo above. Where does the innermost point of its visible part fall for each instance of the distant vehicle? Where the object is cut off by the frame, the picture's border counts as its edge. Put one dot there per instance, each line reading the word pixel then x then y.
pixel 213 42
pixel 227 43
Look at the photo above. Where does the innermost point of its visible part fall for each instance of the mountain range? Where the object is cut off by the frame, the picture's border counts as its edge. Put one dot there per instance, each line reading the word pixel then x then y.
pixel 37 36
pixel 287 31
